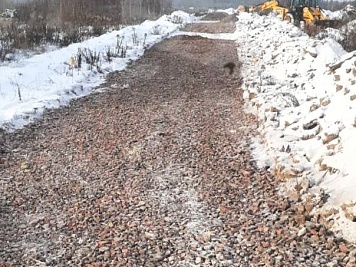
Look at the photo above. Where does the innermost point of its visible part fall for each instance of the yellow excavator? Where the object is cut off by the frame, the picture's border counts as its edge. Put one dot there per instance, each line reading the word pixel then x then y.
pixel 300 12
pixel 307 12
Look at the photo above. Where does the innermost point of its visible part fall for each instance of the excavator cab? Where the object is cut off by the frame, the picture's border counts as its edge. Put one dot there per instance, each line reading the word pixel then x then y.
pixel 300 12
pixel 307 12
pixel 295 14
pixel 298 8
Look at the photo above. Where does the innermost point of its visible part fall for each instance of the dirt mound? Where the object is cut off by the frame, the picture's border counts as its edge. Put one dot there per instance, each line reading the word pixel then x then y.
pixel 215 16
pixel 230 18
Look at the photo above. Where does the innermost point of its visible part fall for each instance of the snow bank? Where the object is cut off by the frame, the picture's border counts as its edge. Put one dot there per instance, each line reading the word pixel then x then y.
pixel 30 85
pixel 347 18
pixel 304 93
pixel 228 11
pixel 344 14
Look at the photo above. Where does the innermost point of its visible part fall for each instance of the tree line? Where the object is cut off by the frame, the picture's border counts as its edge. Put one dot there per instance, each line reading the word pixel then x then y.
pixel 62 22
pixel 85 12
pixel 334 5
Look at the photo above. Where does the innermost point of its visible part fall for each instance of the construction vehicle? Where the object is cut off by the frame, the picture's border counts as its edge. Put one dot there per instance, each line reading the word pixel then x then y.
pixel 300 12
pixel 307 13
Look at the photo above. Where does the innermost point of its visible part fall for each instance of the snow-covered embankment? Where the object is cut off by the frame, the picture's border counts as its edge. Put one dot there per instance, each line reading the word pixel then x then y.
pixel 304 92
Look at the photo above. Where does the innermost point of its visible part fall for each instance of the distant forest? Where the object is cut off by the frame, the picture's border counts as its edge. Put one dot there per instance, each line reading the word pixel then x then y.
pixel 87 11
pixel 335 5
pixel 62 22
pixel 205 4
pixel 126 11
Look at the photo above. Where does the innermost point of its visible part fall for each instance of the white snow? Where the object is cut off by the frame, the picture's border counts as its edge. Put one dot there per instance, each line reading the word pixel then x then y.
pixel 307 111
pixel 30 85
pixel 228 11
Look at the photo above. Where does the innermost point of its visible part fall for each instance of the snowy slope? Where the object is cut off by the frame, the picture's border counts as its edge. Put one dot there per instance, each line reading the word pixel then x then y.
pixel 30 85
pixel 306 103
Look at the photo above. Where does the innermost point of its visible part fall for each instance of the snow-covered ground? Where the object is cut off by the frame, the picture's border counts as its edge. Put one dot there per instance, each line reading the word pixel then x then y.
pixel 302 89
pixel 30 85
pixel 304 92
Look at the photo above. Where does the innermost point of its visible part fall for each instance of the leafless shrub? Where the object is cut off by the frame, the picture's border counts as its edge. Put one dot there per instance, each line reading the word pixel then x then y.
pixel 176 20
pixel 79 59
pixel 109 54
pixel 135 39
pixel 90 57
pixel 144 39
pixel 17 87
pixel 6 48
pixel 69 36
pixel 121 49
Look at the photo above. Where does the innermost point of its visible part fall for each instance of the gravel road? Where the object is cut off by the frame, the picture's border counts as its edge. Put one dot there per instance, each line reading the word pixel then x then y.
pixel 154 170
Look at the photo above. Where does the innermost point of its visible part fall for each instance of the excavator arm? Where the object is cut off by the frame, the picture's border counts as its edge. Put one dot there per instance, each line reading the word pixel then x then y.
pixel 269 6
pixel 265 6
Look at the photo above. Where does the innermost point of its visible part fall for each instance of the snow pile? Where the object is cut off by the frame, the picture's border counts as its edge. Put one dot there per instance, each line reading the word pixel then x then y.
pixel 228 11
pixel 52 79
pixel 346 26
pixel 180 17
pixel 8 13
pixel 347 13
pixel 304 92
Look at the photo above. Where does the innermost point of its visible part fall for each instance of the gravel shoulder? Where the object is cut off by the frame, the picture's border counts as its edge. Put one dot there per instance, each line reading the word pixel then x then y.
pixel 154 170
